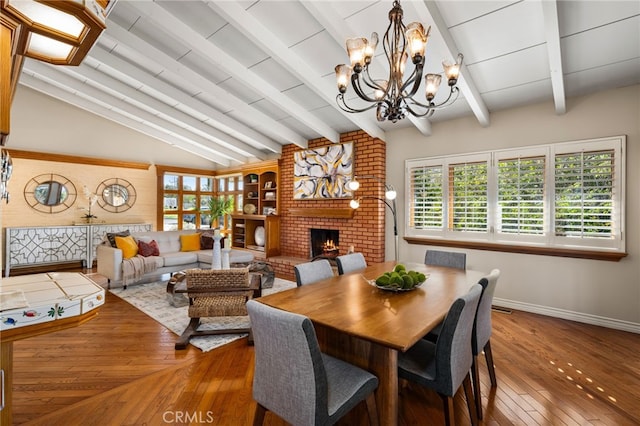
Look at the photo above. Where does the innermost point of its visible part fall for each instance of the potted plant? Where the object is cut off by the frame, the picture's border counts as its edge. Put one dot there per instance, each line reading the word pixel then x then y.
pixel 218 208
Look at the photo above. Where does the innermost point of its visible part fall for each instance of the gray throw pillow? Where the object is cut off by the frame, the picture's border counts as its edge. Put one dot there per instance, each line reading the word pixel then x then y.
pixel 111 236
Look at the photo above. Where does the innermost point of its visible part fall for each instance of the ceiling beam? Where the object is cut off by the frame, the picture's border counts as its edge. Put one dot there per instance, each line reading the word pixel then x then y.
pixel 263 37
pixel 72 97
pixel 552 35
pixel 63 76
pixel 217 57
pixel 103 77
pixel 127 40
pixel 427 11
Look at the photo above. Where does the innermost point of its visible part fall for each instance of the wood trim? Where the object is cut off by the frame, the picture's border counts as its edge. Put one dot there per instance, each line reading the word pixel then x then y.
pixel 513 248
pixel 64 158
pixel 336 213
pixel 162 169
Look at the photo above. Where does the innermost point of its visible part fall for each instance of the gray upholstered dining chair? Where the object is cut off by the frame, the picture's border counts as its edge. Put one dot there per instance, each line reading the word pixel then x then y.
pixel 446 365
pixel 446 258
pixel 310 272
pixel 350 262
pixel 323 388
pixel 481 337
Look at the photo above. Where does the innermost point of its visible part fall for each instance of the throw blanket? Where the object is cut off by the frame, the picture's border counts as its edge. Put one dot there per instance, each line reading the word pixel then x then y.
pixel 134 268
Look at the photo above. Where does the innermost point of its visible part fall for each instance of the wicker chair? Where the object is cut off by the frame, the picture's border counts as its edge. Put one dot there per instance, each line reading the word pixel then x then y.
pixel 216 293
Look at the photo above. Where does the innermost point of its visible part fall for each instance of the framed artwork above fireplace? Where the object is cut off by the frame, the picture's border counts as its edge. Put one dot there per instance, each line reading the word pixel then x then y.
pixel 323 173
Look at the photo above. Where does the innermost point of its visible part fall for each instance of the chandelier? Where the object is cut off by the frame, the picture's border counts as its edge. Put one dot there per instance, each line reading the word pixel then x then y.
pixel 393 97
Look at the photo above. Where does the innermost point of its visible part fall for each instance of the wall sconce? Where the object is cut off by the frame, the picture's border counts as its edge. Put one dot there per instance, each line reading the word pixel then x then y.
pixel 389 200
pixel 6 168
pixel 60 32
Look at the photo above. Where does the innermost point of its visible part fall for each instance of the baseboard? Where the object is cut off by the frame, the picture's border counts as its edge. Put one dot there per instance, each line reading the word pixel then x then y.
pixel 569 315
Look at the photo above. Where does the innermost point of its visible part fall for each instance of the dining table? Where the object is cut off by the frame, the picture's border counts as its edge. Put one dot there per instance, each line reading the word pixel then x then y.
pixel 368 326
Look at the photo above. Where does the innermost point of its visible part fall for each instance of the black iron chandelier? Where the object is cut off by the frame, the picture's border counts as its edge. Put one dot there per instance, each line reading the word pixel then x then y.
pixel 393 98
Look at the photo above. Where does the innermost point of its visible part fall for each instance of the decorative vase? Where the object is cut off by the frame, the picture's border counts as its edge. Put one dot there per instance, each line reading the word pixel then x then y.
pixel 216 259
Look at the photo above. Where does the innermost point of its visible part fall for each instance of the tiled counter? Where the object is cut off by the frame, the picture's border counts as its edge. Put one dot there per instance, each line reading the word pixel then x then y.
pixel 36 304
pixel 37 298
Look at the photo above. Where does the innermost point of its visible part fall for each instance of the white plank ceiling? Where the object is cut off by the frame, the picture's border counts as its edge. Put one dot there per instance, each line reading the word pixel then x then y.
pixel 233 81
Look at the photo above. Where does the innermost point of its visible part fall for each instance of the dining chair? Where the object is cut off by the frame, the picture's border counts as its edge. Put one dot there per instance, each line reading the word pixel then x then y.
pixel 446 364
pixel 350 263
pixel 310 272
pixel 481 337
pixel 296 381
pixel 446 258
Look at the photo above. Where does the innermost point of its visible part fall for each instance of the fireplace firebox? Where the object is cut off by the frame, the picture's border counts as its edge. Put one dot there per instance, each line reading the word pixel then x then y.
pixel 324 243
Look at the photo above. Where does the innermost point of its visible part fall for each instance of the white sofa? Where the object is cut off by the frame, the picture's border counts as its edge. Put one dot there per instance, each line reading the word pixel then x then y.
pixel 171 259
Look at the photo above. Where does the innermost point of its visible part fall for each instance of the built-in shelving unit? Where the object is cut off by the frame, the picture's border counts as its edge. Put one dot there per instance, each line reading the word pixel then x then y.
pixel 260 207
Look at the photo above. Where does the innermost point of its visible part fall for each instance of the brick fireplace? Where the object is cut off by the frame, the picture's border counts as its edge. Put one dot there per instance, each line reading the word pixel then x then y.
pixel 363 229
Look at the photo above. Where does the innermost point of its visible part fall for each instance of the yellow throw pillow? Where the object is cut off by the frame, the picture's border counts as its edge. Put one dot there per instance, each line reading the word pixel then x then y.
pixel 190 242
pixel 128 246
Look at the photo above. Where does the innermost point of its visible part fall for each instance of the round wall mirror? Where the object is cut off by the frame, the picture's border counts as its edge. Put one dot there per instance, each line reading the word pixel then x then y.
pixel 116 195
pixel 50 193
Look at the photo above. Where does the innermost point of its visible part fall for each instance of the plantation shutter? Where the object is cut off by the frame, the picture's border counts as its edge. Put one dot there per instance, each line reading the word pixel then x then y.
pixel 468 196
pixel 584 194
pixel 426 204
pixel 521 192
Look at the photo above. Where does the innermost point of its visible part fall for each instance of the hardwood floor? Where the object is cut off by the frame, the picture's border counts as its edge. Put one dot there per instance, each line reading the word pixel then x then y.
pixel 121 369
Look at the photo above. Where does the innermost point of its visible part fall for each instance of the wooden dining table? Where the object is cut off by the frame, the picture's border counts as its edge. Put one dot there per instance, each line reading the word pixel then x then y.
pixel 367 326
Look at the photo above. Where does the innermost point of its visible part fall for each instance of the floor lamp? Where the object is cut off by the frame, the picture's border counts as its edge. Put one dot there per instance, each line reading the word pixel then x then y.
pixel 389 200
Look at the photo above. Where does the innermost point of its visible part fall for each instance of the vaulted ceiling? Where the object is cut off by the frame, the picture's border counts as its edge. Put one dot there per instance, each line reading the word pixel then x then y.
pixel 233 81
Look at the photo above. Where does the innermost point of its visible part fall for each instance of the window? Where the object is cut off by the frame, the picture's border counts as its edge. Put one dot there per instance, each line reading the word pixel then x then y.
pixel 561 195
pixel 186 199
pixel 521 195
pixel 468 197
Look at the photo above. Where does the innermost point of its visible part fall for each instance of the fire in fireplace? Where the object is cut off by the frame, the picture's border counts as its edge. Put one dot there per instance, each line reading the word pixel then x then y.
pixel 324 243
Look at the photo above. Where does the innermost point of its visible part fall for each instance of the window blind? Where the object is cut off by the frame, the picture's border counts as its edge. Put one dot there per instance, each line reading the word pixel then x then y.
pixel 584 188
pixel 426 203
pixel 468 196
pixel 521 195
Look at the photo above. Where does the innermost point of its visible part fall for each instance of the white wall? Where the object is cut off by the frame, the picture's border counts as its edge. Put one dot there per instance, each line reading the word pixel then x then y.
pixel 599 292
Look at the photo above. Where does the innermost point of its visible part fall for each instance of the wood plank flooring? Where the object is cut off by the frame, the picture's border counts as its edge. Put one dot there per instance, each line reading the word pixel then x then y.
pixel 121 369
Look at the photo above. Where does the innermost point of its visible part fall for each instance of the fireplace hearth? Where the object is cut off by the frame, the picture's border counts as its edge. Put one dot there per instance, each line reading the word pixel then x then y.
pixel 324 243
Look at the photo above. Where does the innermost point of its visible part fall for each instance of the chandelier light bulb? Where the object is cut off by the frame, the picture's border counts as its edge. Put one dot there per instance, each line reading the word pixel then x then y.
pixel 370 48
pixel 417 40
pixel 343 74
pixel 355 49
pixel 354 204
pixel 432 83
pixel 452 70
pixel 379 92
pixel 353 185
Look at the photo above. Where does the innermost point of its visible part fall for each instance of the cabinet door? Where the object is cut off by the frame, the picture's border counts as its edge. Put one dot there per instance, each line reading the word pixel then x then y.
pixel 272 236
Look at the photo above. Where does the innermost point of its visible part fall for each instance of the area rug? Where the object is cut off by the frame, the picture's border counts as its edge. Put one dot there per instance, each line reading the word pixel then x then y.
pixel 152 299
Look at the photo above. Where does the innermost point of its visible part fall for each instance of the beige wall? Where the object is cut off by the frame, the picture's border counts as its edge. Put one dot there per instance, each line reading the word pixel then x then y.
pixel 19 213
pixel 599 292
